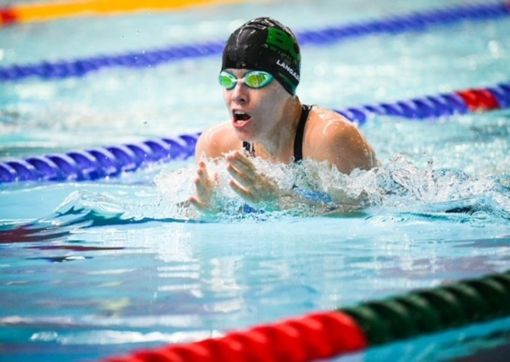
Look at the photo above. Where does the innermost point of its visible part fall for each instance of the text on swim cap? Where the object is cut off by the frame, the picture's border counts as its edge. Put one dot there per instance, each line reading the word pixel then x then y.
pixel 288 69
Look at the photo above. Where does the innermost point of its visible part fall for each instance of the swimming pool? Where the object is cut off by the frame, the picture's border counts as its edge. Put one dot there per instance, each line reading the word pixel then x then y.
pixel 94 269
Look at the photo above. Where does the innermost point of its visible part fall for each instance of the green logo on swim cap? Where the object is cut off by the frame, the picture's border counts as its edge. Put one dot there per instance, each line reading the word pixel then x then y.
pixel 282 40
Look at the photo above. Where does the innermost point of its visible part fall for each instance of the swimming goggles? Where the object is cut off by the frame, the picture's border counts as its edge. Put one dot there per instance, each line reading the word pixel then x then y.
pixel 253 79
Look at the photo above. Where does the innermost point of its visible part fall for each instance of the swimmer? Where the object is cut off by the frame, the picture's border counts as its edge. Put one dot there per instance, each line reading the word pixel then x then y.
pixel 259 74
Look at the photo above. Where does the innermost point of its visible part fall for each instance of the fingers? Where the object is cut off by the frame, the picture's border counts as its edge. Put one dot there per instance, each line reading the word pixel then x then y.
pixel 242 169
pixel 195 202
pixel 241 177
pixel 201 187
pixel 241 162
pixel 200 206
pixel 243 174
pixel 245 194
pixel 247 182
pixel 204 187
pixel 202 171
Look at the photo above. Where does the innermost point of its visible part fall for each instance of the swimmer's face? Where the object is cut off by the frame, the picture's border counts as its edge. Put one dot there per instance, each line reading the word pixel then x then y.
pixel 254 112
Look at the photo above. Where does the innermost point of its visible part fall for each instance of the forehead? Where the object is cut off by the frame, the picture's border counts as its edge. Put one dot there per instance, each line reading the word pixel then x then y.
pixel 238 72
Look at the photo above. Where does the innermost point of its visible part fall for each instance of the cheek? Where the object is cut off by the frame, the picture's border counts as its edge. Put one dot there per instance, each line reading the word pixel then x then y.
pixel 226 96
pixel 274 103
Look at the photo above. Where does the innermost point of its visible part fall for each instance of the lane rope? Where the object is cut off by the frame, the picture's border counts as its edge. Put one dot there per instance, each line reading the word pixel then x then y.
pixel 413 22
pixel 436 106
pixel 97 163
pixel 103 162
pixel 45 11
pixel 330 334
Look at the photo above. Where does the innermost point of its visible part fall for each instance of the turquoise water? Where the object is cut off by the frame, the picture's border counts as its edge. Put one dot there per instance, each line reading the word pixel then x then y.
pixel 94 269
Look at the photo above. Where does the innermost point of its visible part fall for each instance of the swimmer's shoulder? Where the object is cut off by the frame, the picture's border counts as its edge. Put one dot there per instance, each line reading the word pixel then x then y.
pixel 334 138
pixel 327 127
pixel 324 119
pixel 217 141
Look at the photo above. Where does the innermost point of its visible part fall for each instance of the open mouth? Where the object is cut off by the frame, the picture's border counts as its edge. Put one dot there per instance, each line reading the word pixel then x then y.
pixel 240 118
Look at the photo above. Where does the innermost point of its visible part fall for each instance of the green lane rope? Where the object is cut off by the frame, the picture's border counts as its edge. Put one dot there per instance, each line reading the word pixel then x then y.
pixel 426 311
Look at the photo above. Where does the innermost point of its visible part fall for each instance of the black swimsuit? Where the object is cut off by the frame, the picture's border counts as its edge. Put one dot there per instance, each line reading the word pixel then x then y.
pixel 298 140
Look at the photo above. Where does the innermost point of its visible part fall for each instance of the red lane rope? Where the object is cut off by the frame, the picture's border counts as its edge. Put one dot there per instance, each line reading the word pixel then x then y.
pixel 8 16
pixel 315 336
pixel 479 99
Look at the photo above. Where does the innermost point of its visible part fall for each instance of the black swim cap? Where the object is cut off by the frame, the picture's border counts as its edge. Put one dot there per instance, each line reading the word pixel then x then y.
pixel 265 44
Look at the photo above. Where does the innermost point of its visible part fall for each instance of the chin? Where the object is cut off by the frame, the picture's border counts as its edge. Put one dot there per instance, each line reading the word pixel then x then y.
pixel 244 136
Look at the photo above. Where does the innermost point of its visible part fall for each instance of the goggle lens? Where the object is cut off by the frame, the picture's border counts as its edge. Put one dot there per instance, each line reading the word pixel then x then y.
pixel 257 79
pixel 227 80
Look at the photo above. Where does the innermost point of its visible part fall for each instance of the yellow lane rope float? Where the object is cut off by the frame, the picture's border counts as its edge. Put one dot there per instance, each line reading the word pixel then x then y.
pixel 25 13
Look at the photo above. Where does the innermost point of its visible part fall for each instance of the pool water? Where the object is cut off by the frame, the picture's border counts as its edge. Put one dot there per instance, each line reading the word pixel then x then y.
pixel 93 269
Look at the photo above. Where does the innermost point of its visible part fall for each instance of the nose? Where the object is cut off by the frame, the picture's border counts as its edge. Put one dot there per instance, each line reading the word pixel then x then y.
pixel 240 93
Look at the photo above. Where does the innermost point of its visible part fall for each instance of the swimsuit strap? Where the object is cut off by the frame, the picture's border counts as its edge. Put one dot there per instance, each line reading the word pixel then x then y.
pixel 298 140
pixel 300 133
pixel 249 148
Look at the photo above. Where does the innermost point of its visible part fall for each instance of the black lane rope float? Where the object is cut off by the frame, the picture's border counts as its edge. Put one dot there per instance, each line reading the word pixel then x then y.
pixel 427 311
pixel 345 330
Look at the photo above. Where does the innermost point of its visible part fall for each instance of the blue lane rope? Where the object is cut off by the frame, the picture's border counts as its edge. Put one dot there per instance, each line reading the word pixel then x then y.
pixel 442 105
pixel 418 108
pixel 97 163
pixel 111 161
pixel 417 21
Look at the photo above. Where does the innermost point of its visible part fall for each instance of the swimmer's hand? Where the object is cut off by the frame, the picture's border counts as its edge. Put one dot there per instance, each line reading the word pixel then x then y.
pixel 261 191
pixel 204 185
pixel 255 188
